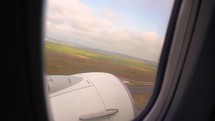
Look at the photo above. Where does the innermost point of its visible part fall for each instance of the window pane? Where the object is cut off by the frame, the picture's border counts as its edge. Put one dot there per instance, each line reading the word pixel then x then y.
pixel 123 38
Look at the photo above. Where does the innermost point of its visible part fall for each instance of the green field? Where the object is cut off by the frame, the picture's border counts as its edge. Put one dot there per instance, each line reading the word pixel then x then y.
pixel 63 59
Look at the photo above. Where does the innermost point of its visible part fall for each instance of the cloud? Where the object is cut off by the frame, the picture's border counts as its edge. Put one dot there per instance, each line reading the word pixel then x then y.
pixel 73 13
pixel 71 20
pixel 110 15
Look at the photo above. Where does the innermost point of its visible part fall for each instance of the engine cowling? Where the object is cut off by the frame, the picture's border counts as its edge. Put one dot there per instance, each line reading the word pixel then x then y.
pixel 94 96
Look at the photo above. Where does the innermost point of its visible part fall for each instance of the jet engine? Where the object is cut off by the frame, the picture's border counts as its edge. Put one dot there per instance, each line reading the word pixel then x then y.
pixel 94 96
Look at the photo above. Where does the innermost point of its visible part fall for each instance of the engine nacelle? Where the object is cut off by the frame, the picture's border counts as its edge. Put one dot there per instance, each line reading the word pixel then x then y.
pixel 92 96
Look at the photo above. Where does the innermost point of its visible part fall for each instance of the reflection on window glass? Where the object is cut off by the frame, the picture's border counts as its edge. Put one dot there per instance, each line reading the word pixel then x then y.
pixel 112 47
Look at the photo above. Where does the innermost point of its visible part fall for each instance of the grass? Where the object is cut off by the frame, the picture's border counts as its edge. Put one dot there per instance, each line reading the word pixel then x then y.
pixel 64 59
pixel 140 101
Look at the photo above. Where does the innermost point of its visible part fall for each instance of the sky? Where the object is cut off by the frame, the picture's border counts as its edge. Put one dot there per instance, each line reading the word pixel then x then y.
pixel 132 27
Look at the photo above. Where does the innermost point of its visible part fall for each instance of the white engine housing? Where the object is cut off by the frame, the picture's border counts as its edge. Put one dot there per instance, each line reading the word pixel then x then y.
pixel 92 96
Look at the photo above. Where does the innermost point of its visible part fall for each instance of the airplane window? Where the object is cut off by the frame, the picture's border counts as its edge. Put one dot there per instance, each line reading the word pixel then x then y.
pixel 101 57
